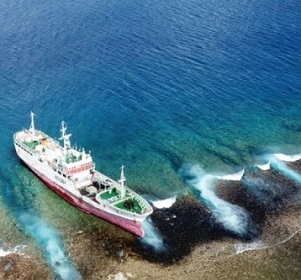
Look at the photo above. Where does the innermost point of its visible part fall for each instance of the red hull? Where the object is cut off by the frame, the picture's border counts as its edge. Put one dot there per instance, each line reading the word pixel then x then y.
pixel 131 226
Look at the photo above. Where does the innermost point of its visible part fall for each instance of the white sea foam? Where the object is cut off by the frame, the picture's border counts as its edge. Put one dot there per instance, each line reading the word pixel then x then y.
pixel 278 156
pixel 152 236
pixel 284 169
pixel 232 177
pixel 259 244
pixel 232 217
pixel 165 203
pixel 255 245
pixel 288 158
pixel 265 166
pixel 19 249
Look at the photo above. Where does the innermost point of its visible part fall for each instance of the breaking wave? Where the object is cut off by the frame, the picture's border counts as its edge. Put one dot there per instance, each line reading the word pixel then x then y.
pixel 288 158
pixel 232 177
pixel 265 166
pixel 282 167
pixel 165 203
pixel 280 157
pixel 232 217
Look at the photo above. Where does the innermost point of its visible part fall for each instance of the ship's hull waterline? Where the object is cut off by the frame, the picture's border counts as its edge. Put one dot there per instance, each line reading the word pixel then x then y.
pixel 134 227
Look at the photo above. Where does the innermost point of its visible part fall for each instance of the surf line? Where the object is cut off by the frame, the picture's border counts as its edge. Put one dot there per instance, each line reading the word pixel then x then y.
pixel 259 245
pixel 232 217
pixel 278 163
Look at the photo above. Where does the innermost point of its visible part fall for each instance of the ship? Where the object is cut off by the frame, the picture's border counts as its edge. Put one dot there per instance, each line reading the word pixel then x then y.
pixel 70 172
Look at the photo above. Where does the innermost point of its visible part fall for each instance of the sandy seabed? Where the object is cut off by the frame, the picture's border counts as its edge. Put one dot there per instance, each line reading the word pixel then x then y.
pixel 110 258
pixel 277 262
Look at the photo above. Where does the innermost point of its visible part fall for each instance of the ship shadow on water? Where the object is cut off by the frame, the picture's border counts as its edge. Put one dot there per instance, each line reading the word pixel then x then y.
pixel 188 223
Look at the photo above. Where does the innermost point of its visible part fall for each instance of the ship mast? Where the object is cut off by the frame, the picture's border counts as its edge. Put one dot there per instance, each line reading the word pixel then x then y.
pixel 32 129
pixel 121 181
pixel 65 137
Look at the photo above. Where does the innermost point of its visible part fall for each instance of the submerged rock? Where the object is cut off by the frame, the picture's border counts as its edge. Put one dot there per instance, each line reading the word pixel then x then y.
pixel 14 266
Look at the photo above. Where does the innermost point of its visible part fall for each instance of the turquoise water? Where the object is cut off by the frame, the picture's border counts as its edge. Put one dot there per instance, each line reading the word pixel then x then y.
pixel 149 84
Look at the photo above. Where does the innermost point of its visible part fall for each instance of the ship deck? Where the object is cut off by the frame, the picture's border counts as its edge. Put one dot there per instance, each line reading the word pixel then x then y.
pixel 32 144
pixel 128 203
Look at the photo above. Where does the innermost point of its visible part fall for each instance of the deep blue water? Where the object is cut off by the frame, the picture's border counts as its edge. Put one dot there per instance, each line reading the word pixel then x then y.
pixel 151 84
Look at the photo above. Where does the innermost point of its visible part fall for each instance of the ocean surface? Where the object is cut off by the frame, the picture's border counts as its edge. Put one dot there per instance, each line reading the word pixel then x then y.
pixel 174 90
